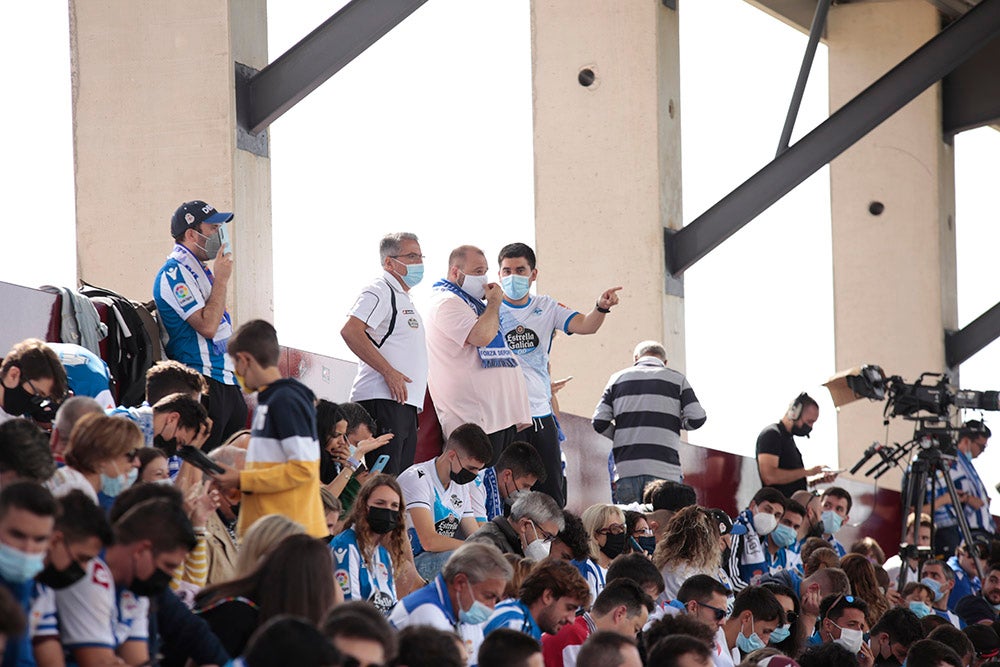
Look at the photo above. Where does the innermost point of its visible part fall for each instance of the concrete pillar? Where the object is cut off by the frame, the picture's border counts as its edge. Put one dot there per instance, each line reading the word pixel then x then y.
pixel 154 124
pixel 894 271
pixel 606 79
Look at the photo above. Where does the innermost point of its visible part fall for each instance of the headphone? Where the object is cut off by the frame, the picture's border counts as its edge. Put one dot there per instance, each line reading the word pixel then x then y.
pixel 795 407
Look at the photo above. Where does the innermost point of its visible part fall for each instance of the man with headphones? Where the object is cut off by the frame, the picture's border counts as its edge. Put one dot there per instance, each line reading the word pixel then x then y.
pixel 972 493
pixel 779 462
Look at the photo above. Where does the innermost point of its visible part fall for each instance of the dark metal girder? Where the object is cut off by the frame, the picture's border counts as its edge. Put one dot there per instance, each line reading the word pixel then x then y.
pixel 961 345
pixel 816 30
pixel 928 64
pixel 318 56
pixel 971 94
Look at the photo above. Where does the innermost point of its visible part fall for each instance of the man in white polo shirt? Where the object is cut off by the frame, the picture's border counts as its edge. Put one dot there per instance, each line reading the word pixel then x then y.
pixel 386 333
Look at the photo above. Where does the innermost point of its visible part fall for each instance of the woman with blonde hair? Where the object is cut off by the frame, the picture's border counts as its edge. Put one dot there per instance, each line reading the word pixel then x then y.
pixel 100 458
pixel 690 546
pixel 864 584
pixel 374 540
pixel 605 526
pixel 261 539
pixel 522 568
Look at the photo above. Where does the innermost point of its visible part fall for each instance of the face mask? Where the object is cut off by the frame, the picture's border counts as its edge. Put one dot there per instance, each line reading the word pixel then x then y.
pixel 59 579
pixel 751 643
pixel 166 481
pixel 514 495
pixel 475 285
pixel 783 536
pixel 934 586
pixel 614 546
pixel 780 634
pixel 169 447
pixel 515 287
pixel 831 522
pixel 152 586
pixel 463 476
pixel 476 614
pixel 16 401
pixel 112 487
pixel 802 430
pixel 17 566
pixel 537 549
pixel 648 543
pixel 382 520
pixel 212 245
pixel 414 274
pixel 921 609
pixel 764 523
pixel 850 639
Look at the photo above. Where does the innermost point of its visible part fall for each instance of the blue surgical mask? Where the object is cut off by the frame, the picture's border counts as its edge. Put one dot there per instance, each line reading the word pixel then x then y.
pixel 751 643
pixel 515 287
pixel 921 609
pixel 17 567
pixel 414 274
pixel 476 614
pixel 934 586
pixel 112 487
pixel 831 522
pixel 780 634
pixel 783 536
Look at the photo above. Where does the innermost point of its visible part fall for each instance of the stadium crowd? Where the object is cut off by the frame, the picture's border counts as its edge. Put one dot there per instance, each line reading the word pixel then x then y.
pixel 169 534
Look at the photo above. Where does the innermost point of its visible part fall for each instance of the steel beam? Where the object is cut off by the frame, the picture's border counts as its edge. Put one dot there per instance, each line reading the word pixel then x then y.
pixel 318 56
pixel 971 94
pixel 816 30
pixel 959 346
pixel 928 64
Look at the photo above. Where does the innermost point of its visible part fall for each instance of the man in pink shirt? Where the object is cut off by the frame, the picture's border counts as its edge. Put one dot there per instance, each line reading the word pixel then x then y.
pixel 472 375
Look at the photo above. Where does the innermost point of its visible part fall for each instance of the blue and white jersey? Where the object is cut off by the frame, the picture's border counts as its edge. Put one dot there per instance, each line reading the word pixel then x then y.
pixel 86 373
pixel 182 288
pixel 93 612
pixel 422 488
pixel 967 480
pixel 358 581
pixel 44 620
pixel 965 584
pixel 514 615
pixel 142 417
pixel 594 574
pixel 528 330
pixel 835 545
pixel 782 559
pixel 485 495
pixel 431 605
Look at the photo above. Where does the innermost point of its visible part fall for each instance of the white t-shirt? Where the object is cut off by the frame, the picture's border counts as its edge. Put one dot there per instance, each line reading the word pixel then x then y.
pixel 528 330
pixel 67 479
pixel 93 613
pixel 403 347
pixel 464 391
pixel 448 505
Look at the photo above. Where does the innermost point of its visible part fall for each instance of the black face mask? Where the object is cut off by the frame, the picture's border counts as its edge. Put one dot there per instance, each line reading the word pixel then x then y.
pixel 58 579
pixel 816 530
pixel 614 545
pixel 463 476
pixel 382 520
pixel 151 587
pixel 168 446
pixel 16 401
pixel 648 543
pixel 802 430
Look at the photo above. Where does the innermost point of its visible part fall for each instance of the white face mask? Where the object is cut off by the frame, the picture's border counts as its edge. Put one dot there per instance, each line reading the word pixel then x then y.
pixel 764 523
pixel 850 639
pixel 537 549
pixel 475 285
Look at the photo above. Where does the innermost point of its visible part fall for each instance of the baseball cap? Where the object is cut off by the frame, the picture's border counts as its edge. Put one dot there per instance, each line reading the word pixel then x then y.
pixel 726 525
pixel 192 213
pixel 984 640
pixel 973 609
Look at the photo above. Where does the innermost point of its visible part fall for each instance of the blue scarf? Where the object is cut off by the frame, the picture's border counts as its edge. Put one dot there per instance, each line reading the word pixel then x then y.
pixel 494 355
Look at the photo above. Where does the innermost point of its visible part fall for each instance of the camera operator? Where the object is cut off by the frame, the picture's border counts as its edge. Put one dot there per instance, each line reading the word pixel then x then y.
pixel 972 493
pixel 779 462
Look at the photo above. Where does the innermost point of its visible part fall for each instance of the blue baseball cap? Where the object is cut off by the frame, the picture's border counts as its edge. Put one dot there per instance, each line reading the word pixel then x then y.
pixel 726 525
pixel 193 213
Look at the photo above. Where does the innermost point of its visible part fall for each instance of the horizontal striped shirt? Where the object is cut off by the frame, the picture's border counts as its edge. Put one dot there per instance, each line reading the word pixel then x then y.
pixel 643 410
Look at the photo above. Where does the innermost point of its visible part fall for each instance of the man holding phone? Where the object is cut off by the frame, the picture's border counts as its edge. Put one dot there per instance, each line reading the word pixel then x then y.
pixel 281 475
pixel 191 300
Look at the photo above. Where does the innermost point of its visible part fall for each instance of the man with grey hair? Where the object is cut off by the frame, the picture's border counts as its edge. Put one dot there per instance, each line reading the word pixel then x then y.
pixel 643 409
pixel 67 415
pixel 386 333
pixel 535 520
pixel 461 598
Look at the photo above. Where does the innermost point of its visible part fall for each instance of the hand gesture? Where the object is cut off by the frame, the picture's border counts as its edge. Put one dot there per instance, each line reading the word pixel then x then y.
pixel 371 444
pixel 815 470
pixel 810 601
pixel 222 268
pixel 397 384
pixel 608 298
pixel 493 293
pixel 865 656
pixel 201 500
pixel 340 451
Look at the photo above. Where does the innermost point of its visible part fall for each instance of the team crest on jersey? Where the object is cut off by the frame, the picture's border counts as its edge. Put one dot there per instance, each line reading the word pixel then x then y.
pixel 414 324
pixel 101 576
pixel 183 295
pixel 456 501
pixel 521 340
pixel 172 272
pixel 341 577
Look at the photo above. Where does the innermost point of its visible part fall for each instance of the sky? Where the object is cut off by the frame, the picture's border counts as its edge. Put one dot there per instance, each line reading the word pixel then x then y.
pixel 430 131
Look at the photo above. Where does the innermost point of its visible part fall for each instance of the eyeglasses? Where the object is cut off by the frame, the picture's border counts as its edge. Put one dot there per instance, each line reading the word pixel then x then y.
pixel 719 613
pixel 410 256
pixel 130 456
pixel 35 390
pixel 791 617
pixel 643 532
pixel 613 529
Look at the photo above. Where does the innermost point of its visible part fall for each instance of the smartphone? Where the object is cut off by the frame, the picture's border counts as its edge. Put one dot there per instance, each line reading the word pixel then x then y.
pixel 224 239
pixel 380 463
pixel 197 458
pixel 565 379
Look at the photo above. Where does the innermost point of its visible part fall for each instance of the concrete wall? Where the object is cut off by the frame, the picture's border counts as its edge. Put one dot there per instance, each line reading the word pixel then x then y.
pixel 607 178
pixel 894 273
pixel 153 126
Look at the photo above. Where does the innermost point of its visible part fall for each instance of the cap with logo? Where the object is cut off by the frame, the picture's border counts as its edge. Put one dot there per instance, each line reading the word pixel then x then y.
pixel 193 213
pixel 726 525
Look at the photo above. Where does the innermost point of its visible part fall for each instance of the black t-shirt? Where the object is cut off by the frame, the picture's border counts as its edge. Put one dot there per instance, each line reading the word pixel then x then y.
pixel 775 439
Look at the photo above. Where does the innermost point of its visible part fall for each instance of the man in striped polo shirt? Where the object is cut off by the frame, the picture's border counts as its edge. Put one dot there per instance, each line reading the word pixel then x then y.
pixel 643 410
